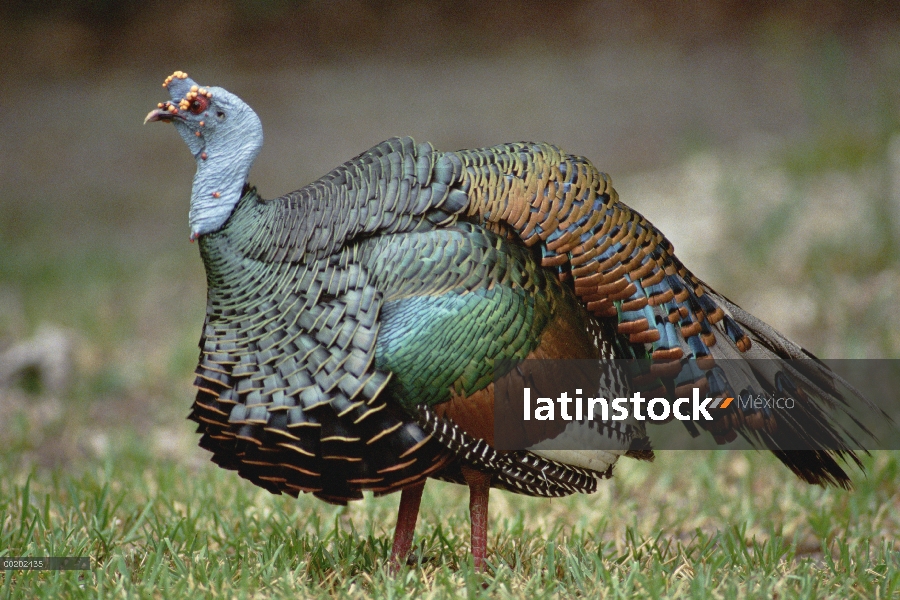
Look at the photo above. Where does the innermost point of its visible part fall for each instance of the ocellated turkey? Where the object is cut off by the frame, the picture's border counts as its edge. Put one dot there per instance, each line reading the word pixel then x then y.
pixel 353 326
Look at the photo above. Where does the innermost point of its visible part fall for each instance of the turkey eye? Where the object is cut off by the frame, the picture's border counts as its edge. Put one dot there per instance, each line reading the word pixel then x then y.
pixel 198 105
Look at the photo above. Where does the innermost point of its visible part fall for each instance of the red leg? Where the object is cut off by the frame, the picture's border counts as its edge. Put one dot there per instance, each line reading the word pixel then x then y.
pixel 410 498
pixel 479 488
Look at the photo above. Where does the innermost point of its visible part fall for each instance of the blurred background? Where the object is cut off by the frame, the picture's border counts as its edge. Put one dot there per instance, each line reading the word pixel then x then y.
pixel 763 140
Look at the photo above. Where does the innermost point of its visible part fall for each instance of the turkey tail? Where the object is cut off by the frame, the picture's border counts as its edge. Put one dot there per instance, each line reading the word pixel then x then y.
pixel 807 439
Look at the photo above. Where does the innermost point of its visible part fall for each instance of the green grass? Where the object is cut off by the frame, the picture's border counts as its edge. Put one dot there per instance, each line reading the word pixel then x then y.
pixel 691 525
pixel 109 469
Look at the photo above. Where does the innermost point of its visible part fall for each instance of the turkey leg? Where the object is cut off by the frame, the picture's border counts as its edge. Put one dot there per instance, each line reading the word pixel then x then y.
pixel 410 498
pixel 479 489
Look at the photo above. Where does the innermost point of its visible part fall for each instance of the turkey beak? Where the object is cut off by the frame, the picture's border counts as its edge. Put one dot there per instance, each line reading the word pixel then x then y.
pixel 160 114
